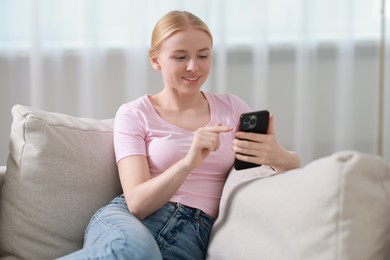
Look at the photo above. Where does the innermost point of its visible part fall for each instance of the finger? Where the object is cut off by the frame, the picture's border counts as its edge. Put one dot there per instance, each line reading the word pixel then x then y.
pixel 254 137
pixel 249 147
pixel 271 129
pixel 244 151
pixel 219 128
pixel 208 145
pixel 208 139
pixel 213 139
pixel 248 158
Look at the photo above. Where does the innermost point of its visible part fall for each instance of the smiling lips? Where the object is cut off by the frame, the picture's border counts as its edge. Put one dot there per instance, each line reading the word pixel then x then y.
pixel 191 79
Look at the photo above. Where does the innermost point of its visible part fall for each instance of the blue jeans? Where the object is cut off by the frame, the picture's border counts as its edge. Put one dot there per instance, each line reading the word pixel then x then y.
pixel 172 232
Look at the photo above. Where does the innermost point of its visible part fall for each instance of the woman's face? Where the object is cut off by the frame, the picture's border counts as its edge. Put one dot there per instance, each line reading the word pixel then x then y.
pixel 185 60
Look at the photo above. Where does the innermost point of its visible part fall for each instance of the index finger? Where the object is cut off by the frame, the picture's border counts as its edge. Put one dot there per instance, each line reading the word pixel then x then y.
pixel 219 128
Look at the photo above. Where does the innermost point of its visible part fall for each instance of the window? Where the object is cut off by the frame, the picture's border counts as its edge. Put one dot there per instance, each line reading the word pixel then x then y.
pixel 123 23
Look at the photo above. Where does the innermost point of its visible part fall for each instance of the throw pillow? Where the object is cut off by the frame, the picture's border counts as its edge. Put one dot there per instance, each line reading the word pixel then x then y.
pixel 60 170
pixel 337 207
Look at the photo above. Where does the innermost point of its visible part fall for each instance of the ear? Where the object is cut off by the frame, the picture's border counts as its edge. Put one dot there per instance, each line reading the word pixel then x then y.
pixel 155 64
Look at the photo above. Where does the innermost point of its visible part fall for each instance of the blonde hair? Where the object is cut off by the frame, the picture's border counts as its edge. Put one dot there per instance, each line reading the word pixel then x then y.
pixel 172 22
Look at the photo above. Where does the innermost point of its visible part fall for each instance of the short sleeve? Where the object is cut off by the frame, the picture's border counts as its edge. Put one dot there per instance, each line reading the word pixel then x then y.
pixel 129 133
pixel 238 105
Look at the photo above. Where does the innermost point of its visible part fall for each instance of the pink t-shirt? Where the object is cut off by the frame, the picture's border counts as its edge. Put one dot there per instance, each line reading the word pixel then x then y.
pixel 139 130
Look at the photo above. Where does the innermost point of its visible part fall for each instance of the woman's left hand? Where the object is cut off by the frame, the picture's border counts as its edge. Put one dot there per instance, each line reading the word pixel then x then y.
pixel 264 149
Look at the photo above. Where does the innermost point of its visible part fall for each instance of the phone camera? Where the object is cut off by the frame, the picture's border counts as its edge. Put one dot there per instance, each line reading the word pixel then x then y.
pixel 249 122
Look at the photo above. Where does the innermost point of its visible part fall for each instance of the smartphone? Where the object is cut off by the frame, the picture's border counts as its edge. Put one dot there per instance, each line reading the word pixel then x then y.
pixel 256 122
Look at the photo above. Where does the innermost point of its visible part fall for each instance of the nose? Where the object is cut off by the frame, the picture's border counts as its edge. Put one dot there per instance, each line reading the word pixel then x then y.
pixel 192 65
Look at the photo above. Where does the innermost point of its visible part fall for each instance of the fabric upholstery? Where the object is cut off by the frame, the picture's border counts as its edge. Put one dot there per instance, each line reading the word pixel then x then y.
pixel 60 170
pixel 2 171
pixel 337 207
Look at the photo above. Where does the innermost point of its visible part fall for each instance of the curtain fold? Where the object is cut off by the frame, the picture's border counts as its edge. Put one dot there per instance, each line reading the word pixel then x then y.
pixel 386 84
pixel 314 64
pixel 345 79
pixel 260 56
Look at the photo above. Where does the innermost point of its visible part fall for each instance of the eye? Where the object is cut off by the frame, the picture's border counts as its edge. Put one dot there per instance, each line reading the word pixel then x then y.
pixel 180 58
pixel 203 56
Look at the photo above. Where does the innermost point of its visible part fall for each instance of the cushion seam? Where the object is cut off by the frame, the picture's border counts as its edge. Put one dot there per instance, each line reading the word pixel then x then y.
pixel 17 193
pixel 340 198
pixel 74 128
pixel 386 191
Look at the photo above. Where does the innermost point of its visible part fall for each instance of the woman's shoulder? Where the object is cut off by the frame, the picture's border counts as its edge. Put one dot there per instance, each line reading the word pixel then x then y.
pixel 139 104
pixel 136 103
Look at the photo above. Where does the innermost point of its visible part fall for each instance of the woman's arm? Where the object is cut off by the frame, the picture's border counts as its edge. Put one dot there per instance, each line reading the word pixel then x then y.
pixel 144 194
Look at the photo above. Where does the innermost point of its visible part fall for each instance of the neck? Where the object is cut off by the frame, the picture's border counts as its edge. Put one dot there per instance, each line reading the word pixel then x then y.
pixel 178 100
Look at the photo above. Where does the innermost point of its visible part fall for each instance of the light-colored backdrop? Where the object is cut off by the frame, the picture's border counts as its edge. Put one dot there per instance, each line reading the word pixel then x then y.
pixel 315 64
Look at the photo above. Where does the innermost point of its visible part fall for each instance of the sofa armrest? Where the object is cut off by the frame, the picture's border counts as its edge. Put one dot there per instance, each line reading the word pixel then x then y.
pixel 2 172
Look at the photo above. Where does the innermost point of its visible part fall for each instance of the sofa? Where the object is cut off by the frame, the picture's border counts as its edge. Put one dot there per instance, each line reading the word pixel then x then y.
pixel 61 169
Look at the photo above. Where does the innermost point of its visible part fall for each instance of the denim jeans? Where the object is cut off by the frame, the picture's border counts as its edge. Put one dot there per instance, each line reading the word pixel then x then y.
pixel 172 232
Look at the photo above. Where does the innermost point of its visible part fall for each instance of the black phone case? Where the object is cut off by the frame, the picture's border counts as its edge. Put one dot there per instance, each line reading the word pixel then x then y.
pixel 260 126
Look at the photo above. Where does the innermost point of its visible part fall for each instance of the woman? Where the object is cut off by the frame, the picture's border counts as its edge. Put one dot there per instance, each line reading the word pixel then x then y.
pixel 174 151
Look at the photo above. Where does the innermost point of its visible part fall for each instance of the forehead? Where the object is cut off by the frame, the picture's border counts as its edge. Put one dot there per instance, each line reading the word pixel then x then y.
pixel 187 40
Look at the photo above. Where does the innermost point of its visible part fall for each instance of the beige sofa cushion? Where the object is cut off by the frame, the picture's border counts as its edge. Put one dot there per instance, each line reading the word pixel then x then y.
pixel 2 171
pixel 60 170
pixel 337 207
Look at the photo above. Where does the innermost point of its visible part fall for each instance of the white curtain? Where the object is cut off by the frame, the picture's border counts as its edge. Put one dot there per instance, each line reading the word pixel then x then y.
pixel 315 64
pixel 385 93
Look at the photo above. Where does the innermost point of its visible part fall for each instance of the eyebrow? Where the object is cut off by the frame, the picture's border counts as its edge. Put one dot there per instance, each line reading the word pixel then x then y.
pixel 204 49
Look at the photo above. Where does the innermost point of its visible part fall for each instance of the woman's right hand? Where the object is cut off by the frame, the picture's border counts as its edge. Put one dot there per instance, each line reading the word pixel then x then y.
pixel 144 194
pixel 206 140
